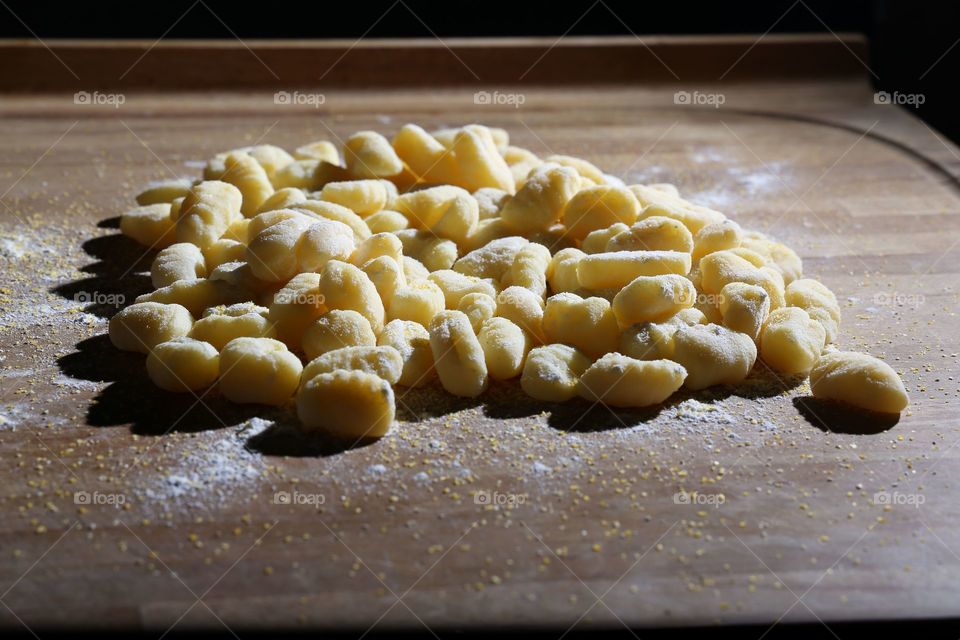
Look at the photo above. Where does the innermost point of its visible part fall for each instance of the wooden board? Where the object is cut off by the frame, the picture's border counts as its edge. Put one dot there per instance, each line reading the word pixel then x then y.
pixel 578 520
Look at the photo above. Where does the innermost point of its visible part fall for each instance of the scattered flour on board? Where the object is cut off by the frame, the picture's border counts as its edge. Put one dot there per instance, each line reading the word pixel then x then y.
pixel 11 247
pixel 742 182
pixel 213 471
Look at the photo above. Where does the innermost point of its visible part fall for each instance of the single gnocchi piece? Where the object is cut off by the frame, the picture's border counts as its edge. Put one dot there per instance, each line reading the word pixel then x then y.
pixel 164 191
pixel 414 270
pixel 369 155
pixel 744 308
pixel 386 221
pixel 150 225
pixel 383 361
pixel 859 380
pixel 142 326
pixel 551 373
pixel 336 329
pixel 272 253
pixel 505 347
pixel 652 299
pixel 818 301
pixel 246 174
pixel 562 273
pixel 419 302
pixel 424 207
pixel 207 212
pixel 183 365
pixel 350 405
pixel 585 323
pixel 479 162
pixel 387 276
pixel 791 341
pixel 717 237
pixel 364 197
pixel 318 150
pixel 220 325
pixel 712 355
pixel 617 380
pixel 380 244
pixel 344 286
pixel 655 233
pixel 524 308
pixel 258 371
pixel 539 203
pixel 459 219
pixel 598 207
pixel 412 341
pixel 529 268
pixel 180 261
pixel 617 269
pixel 457 355
pixel 430 160
pixel 493 260
pixel 479 307
pixel 323 241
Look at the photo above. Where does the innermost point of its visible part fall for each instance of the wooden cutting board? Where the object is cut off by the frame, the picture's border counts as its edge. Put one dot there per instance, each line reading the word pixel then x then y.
pixel 123 505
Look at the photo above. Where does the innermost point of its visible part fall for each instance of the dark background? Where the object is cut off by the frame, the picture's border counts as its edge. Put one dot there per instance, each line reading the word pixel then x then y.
pixel 913 44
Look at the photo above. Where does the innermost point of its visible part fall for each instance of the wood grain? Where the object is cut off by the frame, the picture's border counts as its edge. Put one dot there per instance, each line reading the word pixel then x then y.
pixel 587 505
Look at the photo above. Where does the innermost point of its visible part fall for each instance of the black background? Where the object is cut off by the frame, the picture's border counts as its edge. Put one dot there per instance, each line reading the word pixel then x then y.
pixel 913 44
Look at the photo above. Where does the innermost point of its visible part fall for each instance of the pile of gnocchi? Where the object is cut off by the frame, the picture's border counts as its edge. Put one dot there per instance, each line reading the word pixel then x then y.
pixel 328 279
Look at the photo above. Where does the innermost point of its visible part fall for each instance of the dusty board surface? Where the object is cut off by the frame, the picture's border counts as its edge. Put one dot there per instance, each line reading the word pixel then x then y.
pixel 587 529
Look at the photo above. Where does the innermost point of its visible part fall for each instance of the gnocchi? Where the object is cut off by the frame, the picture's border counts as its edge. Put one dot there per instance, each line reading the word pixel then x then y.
pixel 258 371
pixel 621 381
pixel 457 355
pixel 860 380
pixel 346 404
pixel 453 255
pixel 183 365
